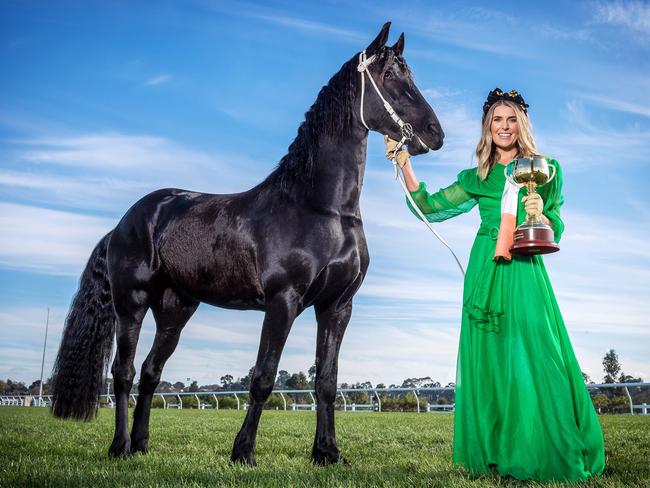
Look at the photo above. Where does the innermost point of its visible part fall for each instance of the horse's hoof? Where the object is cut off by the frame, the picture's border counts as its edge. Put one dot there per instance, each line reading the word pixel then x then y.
pixel 245 459
pixel 140 448
pixel 322 458
pixel 120 449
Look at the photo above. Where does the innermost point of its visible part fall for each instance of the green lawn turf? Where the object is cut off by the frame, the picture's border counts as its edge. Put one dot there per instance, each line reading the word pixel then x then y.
pixel 192 448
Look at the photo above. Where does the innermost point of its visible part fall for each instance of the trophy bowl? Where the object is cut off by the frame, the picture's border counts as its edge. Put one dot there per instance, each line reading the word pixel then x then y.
pixel 530 170
pixel 533 236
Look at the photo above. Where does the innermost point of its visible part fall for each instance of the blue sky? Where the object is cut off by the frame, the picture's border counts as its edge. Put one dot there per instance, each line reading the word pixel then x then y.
pixel 102 102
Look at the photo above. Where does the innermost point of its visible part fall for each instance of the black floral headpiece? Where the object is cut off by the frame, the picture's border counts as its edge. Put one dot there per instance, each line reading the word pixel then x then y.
pixel 498 94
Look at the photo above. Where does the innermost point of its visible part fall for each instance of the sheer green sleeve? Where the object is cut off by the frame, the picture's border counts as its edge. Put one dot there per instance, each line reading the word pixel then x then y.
pixel 443 204
pixel 554 200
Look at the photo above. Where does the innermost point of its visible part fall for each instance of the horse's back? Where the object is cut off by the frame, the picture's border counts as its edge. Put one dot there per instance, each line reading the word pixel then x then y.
pixel 148 224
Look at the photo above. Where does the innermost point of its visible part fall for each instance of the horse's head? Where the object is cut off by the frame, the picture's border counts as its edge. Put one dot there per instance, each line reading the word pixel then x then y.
pixel 394 81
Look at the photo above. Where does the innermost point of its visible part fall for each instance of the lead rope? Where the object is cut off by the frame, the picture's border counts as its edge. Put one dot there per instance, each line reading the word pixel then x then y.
pixel 400 178
pixel 407 134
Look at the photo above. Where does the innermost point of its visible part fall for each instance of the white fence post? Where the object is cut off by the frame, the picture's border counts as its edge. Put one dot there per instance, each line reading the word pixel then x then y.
pixel 313 402
pixel 630 399
pixel 345 403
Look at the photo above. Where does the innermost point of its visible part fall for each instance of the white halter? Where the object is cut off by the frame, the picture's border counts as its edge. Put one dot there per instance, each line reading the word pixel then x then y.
pixel 405 128
pixel 407 134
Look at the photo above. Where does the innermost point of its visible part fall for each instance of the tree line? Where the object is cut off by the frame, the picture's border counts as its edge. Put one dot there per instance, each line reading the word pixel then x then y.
pixel 605 399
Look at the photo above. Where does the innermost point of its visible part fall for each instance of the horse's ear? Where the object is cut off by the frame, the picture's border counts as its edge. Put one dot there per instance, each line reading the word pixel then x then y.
pixel 380 40
pixel 398 47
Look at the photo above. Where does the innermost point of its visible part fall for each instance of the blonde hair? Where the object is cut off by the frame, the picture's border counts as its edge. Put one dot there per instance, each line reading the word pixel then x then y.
pixel 486 150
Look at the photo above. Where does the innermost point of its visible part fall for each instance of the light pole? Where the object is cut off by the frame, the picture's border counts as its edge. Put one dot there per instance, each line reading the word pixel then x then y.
pixel 40 387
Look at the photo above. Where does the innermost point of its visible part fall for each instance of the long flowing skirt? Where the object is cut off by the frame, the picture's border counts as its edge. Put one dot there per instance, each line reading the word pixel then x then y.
pixel 521 404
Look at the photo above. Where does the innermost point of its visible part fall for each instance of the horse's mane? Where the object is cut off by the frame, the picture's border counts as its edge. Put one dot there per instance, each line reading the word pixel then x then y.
pixel 330 114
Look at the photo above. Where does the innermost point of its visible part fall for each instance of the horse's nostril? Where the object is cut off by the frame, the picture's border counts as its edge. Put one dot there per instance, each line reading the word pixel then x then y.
pixel 436 130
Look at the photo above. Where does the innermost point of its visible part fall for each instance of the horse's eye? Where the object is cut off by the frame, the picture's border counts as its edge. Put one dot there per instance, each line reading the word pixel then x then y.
pixel 388 75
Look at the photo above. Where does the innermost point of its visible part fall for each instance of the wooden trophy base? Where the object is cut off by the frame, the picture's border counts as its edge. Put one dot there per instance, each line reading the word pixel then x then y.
pixel 534 238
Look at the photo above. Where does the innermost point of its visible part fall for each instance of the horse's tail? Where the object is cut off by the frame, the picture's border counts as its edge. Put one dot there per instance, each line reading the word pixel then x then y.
pixel 87 342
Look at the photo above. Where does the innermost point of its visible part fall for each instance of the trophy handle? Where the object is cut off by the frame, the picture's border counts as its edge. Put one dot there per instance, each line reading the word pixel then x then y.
pixel 509 176
pixel 551 167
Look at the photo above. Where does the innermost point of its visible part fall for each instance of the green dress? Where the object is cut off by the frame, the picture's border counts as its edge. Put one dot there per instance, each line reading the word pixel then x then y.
pixel 521 404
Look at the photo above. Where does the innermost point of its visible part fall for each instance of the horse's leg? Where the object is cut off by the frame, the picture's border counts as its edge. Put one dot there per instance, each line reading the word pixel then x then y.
pixel 171 313
pixel 280 314
pixel 130 307
pixel 331 327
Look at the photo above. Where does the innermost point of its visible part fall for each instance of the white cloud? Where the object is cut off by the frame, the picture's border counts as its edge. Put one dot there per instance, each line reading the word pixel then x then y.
pixel 474 28
pixel 440 93
pixel 391 352
pixel 91 193
pixel 456 31
pixel 311 26
pixel 279 17
pixel 586 145
pixel 113 152
pixel 110 171
pixel 634 15
pixel 158 80
pixel 23 332
pixel 637 107
pixel 416 288
pixel 565 34
pixel 48 241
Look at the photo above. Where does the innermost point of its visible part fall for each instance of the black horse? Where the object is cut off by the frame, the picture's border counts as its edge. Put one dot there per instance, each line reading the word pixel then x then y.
pixel 293 241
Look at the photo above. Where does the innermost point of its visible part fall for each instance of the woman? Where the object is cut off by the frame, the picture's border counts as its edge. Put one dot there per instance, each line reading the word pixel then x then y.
pixel 521 405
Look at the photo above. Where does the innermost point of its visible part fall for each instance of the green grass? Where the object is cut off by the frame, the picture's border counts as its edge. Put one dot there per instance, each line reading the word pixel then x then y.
pixel 192 448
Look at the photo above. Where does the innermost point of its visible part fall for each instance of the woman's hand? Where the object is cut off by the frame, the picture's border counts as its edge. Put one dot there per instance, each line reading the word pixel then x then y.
pixel 534 204
pixel 404 162
pixel 402 156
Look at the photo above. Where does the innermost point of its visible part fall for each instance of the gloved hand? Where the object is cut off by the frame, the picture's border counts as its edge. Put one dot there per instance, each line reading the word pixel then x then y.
pixel 534 204
pixel 402 155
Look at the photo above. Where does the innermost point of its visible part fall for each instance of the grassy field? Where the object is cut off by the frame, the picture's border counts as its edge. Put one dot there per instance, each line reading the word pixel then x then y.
pixel 192 448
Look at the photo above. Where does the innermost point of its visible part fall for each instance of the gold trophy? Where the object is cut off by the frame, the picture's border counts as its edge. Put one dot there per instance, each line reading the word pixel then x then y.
pixel 533 236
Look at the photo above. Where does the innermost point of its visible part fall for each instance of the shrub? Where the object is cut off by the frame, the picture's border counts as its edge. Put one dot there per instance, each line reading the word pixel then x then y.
pixel 275 403
pixel 227 402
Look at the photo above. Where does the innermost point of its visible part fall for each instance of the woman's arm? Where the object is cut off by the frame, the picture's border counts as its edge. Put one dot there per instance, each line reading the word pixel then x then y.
pixel 412 182
pixel 442 205
pixel 436 207
pixel 555 200
pixel 549 211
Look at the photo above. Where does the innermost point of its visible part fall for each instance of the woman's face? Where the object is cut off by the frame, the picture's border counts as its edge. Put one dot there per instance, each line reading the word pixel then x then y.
pixel 504 127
